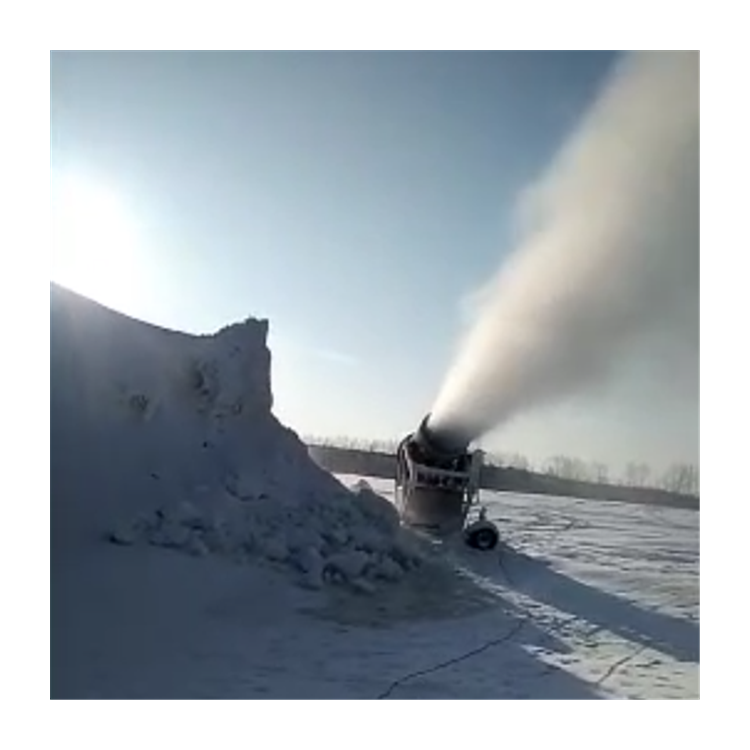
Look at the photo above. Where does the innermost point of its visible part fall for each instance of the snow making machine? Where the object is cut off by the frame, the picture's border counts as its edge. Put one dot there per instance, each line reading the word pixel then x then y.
pixel 437 487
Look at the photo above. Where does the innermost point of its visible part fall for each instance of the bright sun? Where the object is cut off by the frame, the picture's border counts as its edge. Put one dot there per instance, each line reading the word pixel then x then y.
pixel 94 242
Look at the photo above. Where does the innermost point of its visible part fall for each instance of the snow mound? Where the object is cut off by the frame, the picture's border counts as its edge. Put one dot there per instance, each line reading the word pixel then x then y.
pixel 337 539
pixel 168 439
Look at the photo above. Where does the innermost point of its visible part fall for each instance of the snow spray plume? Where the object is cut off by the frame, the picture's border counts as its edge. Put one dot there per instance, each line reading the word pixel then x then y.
pixel 610 256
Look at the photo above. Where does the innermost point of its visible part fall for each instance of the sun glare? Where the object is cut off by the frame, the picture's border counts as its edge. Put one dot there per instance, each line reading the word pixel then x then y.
pixel 94 242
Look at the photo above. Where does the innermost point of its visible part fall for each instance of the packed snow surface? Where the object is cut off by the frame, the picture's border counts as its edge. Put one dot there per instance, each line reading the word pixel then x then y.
pixel 198 552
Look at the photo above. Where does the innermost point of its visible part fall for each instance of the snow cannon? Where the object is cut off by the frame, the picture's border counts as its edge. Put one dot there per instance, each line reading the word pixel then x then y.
pixel 437 486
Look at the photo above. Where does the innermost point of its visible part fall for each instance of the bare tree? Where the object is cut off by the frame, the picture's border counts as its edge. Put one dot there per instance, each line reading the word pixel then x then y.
pixel 682 478
pixel 637 474
pixel 599 472
pixel 518 461
pixel 580 470
pixel 560 466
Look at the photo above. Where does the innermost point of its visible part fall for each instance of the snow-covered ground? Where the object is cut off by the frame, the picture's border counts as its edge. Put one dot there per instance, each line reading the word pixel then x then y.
pixel 196 551
pixel 604 593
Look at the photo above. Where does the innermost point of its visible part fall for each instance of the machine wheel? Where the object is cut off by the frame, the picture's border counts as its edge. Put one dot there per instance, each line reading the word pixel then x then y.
pixel 484 537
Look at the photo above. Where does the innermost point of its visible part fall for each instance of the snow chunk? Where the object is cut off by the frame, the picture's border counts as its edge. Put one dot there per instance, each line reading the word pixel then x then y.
pixel 349 564
pixel 341 538
pixel 387 569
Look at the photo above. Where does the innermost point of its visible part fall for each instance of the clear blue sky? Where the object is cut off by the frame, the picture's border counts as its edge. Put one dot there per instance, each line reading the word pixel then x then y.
pixel 354 199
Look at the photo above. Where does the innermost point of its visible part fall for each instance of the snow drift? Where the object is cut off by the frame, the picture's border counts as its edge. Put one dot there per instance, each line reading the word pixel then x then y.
pixel 168 439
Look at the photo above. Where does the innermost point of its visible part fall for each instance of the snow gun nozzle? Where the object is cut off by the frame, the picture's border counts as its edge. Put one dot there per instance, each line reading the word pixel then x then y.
pixel 440 444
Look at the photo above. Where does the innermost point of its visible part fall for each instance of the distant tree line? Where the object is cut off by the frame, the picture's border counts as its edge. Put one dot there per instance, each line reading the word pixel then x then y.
pixel 682 478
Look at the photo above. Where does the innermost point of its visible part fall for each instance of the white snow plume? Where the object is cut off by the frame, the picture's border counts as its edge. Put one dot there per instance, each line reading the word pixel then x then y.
pixel 609 257
pixel 168 439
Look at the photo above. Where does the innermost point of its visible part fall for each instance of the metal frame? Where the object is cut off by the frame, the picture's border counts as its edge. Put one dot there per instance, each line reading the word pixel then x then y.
pixel 414 477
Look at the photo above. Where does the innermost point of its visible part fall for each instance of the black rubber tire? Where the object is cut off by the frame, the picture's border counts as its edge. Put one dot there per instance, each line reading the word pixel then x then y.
pixel 483 539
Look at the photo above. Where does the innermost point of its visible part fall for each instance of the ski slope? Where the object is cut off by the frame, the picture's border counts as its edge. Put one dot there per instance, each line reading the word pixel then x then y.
pixel 197 552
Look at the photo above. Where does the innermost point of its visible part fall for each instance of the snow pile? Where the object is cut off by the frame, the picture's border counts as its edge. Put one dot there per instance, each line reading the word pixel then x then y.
pixel 168 439
pixel 345 538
